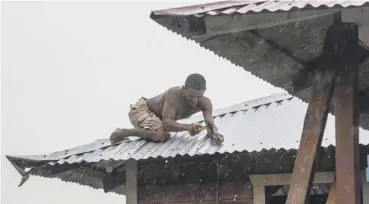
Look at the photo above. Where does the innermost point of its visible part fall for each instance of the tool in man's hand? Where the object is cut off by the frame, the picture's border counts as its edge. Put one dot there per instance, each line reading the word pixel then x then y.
pixel 216 138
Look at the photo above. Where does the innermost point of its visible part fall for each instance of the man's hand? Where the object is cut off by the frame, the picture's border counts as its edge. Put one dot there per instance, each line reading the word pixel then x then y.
pixel 217 139
pixel 194 129
pixel 115 136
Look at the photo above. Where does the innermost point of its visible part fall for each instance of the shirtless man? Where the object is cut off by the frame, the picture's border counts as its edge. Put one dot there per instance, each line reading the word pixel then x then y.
pixel 154 118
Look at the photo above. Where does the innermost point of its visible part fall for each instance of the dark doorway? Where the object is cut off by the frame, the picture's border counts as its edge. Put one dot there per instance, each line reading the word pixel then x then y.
pixel 314 199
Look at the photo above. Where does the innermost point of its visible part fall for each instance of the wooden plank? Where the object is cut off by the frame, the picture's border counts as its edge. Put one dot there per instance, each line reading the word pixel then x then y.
pixel 195 192
pixel 131 182
pixel 311 139
pixel 285 179
pixel 332 196
pixel 259 194
pixel 221 24
pixel 346 113
pixel 235 190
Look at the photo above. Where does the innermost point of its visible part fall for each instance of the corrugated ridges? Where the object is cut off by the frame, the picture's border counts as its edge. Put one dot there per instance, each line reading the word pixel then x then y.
pixel 243 7
pixel 273 122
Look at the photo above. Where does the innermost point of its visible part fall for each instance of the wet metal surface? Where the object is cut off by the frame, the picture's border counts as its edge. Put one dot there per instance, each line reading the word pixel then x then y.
pixel 271 122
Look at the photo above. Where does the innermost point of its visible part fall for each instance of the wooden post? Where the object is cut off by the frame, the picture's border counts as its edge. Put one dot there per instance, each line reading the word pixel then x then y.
pixel 365 193
pixel 258 194
pixel 131 182
pixel 346 113
pixel 340 55
pixel 312 134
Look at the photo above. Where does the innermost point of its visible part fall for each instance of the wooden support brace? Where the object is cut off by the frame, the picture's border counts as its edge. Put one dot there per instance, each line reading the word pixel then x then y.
pixel 259 194
pixel 332 196
pixel 315 120
pixel 346 113
pixel 131 182
pixel 312 134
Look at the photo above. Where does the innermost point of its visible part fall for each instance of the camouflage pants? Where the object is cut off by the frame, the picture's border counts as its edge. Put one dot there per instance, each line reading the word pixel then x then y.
pixel 141 117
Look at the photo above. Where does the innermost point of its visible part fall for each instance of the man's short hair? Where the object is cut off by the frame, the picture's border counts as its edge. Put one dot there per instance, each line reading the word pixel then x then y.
pixel 195 81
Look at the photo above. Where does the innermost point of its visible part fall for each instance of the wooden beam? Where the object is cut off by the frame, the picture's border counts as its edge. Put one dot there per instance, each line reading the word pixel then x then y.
pixel 131 182
pixel 303 79
pixel 259 194
pixel 332 196
pixel 212 25
pixel 285 179
pixel 346 113
pixel 312 134
pixel 222 24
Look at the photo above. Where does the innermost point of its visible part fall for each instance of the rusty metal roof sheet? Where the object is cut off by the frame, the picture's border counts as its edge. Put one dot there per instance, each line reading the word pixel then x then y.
pixel 248 6
pixel 273 122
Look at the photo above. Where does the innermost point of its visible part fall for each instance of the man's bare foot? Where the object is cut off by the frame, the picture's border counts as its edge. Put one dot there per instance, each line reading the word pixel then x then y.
pixel 117 135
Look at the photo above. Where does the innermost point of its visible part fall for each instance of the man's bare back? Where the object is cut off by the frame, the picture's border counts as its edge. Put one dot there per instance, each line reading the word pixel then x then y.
pixel 182 109
pixel 154 118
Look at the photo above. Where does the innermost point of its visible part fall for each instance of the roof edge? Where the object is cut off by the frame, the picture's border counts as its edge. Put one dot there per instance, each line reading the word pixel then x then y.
pixel 213 8
pixel 201 8
pixel 20 170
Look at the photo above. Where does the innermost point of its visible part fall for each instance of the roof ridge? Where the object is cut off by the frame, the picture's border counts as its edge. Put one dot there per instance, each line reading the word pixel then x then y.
pixel 253 103
pixel 243 106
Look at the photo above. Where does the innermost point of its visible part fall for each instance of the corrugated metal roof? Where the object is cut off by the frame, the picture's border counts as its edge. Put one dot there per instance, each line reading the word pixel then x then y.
pixel 271 122
pixel 243 7
pixel 303 40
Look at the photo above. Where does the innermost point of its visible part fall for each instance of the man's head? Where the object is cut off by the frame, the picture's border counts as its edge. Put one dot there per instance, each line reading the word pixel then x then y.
pixel 194 88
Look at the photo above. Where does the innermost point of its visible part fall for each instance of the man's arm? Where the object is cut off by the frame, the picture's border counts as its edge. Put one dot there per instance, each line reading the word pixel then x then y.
pixel 169 113
pixel 207 112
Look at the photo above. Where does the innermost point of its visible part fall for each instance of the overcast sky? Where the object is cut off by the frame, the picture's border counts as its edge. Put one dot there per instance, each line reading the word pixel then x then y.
pixel 70 72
